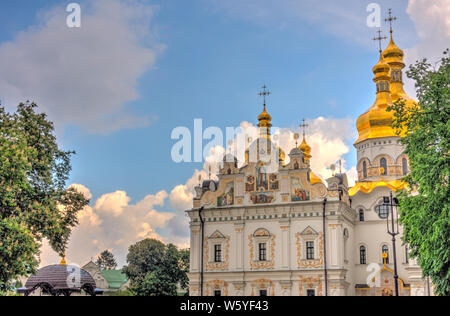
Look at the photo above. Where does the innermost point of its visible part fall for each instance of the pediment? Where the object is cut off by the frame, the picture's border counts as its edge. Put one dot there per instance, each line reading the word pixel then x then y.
pixel 308 231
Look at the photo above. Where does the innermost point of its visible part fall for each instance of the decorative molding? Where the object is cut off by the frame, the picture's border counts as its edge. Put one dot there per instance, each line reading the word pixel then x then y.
pixel 255 265
pixel 218 265
pixel 302 263
pixel 311 283
pixel 216 285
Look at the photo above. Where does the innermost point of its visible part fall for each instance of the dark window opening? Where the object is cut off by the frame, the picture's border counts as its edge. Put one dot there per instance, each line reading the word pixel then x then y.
pixel 262 252
pixel 217 253
pixel 310 250
pixel 263 293
pixel 310 293
pixel 362 255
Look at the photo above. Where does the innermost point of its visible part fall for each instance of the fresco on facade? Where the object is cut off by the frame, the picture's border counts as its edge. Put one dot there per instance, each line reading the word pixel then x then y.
pixel 274 183
pixel 261 177
pixel 250 184
pixel 298 193
pixel 262 197
pixel 227 198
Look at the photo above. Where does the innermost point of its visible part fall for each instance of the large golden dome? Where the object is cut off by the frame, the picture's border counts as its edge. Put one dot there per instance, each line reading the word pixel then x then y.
pixel 305 148
pixel 377 122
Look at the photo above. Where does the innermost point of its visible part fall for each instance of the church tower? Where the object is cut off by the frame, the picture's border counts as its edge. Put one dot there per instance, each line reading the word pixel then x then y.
pixel 381 165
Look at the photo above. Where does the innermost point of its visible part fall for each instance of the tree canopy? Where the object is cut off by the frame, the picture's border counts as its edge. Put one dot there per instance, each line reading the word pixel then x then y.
pixel 424 209
pixel 106 261
pixel 34 200
pixel 156 269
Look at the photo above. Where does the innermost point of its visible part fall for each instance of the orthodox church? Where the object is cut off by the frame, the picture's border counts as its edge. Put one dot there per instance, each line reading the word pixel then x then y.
pixel 273 227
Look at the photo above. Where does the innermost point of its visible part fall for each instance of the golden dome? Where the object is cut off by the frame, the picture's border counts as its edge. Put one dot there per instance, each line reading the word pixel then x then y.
pixel 265 119
pixel 313 178
pixel 393 54
pixel 377 121
pixel 305 148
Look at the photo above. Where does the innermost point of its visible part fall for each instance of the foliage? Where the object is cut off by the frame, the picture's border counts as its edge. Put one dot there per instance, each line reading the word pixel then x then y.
pixel 424 209
pixel 156 269
pixel 34 202
pixel 106 261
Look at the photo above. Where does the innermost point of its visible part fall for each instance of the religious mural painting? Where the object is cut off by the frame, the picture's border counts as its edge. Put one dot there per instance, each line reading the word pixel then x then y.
pixel 250 184
pixel 274 183
pixel 262 197
pixel 261 177
pixel 227 198
pixel 298 193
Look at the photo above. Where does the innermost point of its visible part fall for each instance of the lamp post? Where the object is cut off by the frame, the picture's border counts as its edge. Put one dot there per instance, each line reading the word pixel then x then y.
pixel 393 230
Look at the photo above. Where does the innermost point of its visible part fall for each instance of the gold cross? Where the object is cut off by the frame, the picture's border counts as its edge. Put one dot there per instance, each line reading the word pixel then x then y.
pixel 304 126
pixel 264 93
pixel 379 39
pixel 390 19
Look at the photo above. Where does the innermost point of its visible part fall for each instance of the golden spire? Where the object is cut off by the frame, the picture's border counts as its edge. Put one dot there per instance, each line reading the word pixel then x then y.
pixel 264 118
pixel 390 19
pixel 304 147
pixel 63 260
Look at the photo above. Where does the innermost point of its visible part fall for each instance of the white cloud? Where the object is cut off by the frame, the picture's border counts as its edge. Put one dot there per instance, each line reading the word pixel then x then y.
pixel 432 22
pixel 83 76
pixel 113 223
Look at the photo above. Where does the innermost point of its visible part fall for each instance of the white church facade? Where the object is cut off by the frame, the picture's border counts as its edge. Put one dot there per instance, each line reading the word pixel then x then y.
pixel 283 231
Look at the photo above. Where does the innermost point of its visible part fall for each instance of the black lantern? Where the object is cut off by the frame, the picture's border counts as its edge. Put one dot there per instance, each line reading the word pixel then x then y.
pixel 393 230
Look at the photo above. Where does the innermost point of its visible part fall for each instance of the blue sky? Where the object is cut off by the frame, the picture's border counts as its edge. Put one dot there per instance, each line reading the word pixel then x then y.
pixel 208 59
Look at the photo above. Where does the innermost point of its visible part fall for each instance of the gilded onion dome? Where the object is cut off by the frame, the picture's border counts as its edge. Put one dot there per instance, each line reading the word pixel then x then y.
pixel 377 122
pixel 305 148
pixel 393 56
pixel 265 120
pixel 263 145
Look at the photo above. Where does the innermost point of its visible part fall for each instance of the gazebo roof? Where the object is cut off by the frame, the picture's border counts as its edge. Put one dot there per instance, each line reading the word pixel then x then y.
pixel 61 279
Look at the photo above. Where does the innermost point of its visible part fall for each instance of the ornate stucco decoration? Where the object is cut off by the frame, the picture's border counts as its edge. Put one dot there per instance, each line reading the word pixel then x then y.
pixel 214 285
pixel 263 284
pixel 215 238
pixel 309 235
pixel 262 235
pixel 310 283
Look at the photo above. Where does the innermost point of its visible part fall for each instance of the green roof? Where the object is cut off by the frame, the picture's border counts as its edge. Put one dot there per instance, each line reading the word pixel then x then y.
pixel 115 278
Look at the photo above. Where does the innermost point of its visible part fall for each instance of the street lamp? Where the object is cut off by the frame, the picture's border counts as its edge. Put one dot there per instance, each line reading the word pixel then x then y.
pixel 393 230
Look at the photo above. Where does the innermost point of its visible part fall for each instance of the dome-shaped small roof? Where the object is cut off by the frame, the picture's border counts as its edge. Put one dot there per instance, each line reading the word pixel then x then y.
pixel 58 277
pixel 393 53
pixel 295 152
pixel 229 158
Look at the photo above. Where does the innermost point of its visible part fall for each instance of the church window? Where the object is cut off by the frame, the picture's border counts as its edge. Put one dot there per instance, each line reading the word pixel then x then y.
pixel 310 250
pixel 217 253
pixel 364 169
pixel 383 164
pixel 310 293
pixel 217 293
pixel 362 255
pixel 262 292
pixel 361 215
pixel 385 250
pixel 382 210
pixel 404 166
pixel 262 251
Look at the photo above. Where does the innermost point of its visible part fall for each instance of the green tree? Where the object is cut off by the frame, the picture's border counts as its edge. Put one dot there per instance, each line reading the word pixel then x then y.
pixel 425 207
pixel 154 269
pixel 106 261
pixel 34 200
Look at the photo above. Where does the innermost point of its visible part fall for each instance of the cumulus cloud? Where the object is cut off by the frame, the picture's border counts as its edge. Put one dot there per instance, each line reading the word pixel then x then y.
pixel 113 223
pixel 83 76
pixel 432 22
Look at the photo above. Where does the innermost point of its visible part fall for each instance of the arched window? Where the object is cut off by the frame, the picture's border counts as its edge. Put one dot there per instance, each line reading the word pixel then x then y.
pixel 362 255
pixel 404 166
pixel 364 169
pixel 361 215
pixel 383 164
pixel 385 250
